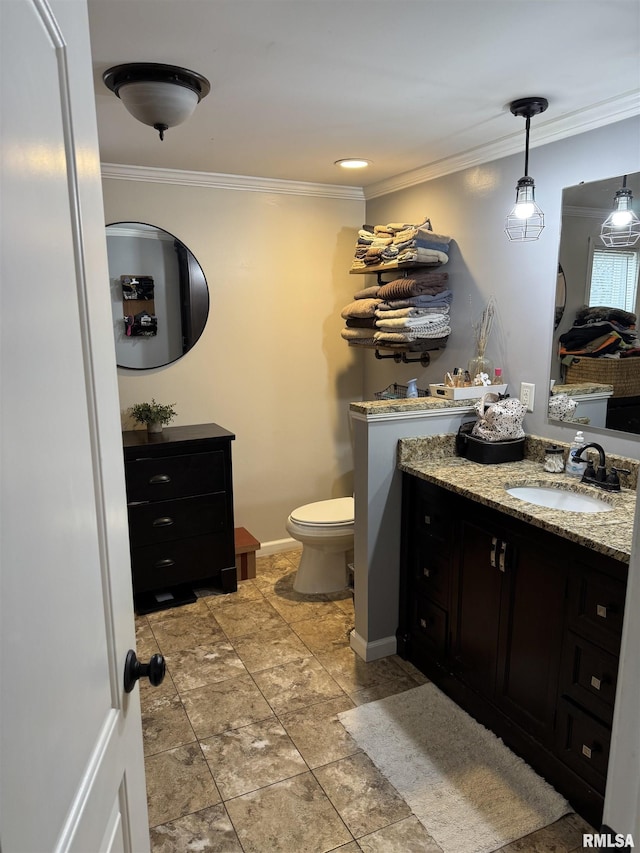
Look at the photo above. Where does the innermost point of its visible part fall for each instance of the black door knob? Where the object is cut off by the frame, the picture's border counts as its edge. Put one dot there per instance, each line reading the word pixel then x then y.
pixel 133 670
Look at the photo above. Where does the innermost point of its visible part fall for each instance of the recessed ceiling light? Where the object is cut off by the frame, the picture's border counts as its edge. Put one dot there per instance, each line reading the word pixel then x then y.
pixel 352 163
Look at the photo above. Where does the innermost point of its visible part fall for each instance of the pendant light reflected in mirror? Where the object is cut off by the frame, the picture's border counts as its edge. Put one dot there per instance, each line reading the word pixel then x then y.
pixel 526 220
pixel 622 227
pixel 161 96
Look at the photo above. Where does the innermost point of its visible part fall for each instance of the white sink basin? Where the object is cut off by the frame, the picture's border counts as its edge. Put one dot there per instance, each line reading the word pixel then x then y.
pixel 559 499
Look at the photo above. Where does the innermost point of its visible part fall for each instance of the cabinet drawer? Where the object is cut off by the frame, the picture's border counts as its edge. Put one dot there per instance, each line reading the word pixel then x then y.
pixel 597 608
pixel 431 624
pixel 162 521
pixel 180 561
pixel 175 476
pixel 589 676
pixel 583 744
pixel 431 571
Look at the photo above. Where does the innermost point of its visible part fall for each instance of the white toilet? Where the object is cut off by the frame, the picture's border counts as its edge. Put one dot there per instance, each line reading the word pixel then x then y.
pixel 325 529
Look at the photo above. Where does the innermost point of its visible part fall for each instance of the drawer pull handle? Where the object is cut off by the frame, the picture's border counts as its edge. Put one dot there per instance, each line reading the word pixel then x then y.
pixel 164 564
pixel 159 478
pixel 503 556
pixel 494 548
pixel 601 611
pixel 595 682
pixel 427 519
pixel 164 521
pixel 586 750
pixel 423 623
pixel 426 572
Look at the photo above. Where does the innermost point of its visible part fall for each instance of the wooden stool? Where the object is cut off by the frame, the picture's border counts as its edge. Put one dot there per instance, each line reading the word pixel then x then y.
pixel 246 546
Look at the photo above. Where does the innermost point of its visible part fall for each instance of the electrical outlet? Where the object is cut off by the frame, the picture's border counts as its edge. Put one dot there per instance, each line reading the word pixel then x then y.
pixel 527 394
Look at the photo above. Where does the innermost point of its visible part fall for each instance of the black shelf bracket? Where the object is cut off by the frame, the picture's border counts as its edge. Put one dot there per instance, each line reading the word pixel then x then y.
pixel 401 358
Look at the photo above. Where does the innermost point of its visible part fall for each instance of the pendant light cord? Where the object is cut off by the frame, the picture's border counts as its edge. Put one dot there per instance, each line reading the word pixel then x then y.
pixel 526 147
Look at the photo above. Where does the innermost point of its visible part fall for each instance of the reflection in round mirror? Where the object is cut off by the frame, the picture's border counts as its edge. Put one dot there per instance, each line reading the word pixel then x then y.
pixel 561 296
pixel 159 295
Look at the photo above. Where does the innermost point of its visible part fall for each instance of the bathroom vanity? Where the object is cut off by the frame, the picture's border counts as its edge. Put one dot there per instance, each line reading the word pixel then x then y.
pixel 180 506
pixel 516 611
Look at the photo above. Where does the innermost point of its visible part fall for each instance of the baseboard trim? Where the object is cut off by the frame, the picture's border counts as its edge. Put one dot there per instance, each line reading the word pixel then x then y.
pixel 372 651
pixel 278 545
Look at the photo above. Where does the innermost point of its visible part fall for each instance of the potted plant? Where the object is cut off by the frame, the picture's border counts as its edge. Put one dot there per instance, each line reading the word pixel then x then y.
pixel 154 415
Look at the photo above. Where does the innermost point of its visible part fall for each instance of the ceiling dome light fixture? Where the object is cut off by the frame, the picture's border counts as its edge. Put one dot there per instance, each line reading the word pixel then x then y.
pixel 161 96
pixel 352 163
pixel 526 220
pixel 622 227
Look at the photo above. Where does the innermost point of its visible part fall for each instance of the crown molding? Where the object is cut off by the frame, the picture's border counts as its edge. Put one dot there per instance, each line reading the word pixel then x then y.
pixel 215 180
pixel 580 121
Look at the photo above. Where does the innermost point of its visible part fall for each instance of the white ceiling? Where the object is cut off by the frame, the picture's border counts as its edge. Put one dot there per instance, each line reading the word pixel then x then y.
pixel 417 86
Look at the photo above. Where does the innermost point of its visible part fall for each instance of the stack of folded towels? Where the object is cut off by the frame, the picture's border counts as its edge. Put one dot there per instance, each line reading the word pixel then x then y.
pixel 411 313
pixel 388 246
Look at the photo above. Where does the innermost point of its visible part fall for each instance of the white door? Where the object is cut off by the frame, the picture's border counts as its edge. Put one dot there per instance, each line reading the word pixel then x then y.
pixel 71 763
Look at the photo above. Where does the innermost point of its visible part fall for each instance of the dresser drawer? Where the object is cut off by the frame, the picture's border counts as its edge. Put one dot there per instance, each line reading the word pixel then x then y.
pixel 163 521
pixel 589 676
pixel 583 744
pixel 180 561
pixel 431 624
pixel 175 476
pixel 597 608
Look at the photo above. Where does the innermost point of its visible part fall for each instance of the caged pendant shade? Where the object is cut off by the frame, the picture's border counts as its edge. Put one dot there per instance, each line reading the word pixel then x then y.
pixel 622 227
pixel 161 96
pixel 526 220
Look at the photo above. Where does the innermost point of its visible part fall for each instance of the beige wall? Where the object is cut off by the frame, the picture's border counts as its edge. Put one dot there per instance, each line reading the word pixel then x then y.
pixel 271 365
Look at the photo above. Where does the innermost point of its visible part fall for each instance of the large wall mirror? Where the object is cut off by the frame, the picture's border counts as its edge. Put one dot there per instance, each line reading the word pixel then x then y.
pixel 159 295
pixel 596 277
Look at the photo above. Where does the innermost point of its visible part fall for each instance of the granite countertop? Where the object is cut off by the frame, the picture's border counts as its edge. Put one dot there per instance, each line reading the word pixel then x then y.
pixel 580 388
pixel 433 458
pixel 409 404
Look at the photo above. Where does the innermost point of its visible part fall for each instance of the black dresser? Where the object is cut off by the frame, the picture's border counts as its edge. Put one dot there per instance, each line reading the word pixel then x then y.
pixel 180 504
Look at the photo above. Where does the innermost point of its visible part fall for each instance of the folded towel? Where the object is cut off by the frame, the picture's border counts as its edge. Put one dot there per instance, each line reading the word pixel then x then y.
pixel 424 301
pixel 419 345
pixel 411 335
pixel 361 322
pixel 383 311
pixel 391 324
pixel 382 229
pixel 357 334
pixel 423 256
pixel 367 292
pixel 425 284
pixel 389 253
pixel 360 308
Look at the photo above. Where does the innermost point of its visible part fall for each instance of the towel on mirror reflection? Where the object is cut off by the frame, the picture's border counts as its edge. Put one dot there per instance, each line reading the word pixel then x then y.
pixel 596 313
pixel 360 308
pixel 367 292
pixel 383 311
pixel 358 335
pixel 427 284
pixel 425 301
pixel 361 322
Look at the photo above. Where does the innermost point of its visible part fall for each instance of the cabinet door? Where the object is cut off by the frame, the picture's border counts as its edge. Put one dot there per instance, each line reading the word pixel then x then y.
pixel 478 608
pixel 531 635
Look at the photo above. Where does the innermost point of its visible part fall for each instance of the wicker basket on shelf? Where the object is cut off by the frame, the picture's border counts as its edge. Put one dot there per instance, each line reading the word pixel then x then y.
pixel 622 373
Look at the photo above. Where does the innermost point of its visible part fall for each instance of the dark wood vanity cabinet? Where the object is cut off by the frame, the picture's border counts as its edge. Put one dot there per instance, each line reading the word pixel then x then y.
pixel 180 506
pixel 520 627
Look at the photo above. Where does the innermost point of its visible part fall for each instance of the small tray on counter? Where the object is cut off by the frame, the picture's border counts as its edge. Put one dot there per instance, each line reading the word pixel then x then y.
pixel 471 392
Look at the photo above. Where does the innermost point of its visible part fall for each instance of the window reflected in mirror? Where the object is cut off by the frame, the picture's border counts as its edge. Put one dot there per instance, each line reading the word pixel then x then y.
pixel 159 295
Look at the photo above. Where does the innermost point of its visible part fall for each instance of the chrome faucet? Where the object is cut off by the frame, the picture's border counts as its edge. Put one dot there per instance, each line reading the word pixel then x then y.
pixel 598 476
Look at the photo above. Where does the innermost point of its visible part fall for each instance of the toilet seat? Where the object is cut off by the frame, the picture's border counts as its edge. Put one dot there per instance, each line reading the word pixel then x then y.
pixel 337 512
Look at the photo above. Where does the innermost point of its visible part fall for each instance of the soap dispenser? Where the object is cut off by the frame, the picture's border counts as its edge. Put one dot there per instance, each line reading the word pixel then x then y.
pixel 576 468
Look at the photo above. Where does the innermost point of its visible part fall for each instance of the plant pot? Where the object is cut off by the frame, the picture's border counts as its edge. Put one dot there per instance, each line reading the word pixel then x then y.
pixel 154 427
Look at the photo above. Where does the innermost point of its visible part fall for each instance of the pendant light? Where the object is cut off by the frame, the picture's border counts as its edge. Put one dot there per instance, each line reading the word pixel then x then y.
pixel 622 227
pixel 526 220
pixel 161 96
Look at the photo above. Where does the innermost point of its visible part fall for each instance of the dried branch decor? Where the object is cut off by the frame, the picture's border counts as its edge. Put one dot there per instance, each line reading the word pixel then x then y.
pixel 482 329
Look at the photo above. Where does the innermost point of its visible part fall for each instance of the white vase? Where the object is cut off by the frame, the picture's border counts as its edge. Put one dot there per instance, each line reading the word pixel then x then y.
pixel 154 427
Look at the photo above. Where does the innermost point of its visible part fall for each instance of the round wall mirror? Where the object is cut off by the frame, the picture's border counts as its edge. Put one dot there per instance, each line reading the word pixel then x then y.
pixel 159 295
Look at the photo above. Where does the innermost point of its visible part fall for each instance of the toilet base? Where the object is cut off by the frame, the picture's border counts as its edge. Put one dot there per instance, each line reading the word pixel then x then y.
pixel 322 570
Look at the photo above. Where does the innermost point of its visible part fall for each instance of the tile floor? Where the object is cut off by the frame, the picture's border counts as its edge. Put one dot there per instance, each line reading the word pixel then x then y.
pixel 243 750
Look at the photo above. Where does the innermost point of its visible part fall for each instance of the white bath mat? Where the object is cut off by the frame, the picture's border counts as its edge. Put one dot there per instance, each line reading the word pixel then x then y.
pixel 471 793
